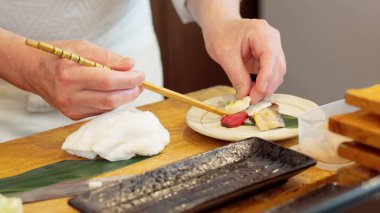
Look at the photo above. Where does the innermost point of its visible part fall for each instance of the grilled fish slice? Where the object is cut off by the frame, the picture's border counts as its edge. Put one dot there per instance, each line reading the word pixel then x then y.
pixel 268 118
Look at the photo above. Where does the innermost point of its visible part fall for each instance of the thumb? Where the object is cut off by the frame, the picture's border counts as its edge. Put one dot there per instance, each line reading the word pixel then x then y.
pixel 116 61
pixel 237 73
pixel 122 63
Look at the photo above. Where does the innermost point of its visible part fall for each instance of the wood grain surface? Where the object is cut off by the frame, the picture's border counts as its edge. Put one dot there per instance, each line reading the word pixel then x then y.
pixel 361 154
pixel 355 174
pixel 366 98
pixel 362 126
pixel 44 148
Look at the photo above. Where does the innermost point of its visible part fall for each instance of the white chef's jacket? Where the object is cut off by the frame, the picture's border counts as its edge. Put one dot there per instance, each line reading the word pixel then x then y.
pixel 123 26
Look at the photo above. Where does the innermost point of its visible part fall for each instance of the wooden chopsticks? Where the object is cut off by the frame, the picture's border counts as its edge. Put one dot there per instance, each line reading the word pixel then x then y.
pixel 154 88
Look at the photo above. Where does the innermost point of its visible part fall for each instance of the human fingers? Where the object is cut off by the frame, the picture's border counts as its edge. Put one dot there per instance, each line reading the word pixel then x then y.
pixel 92 78
pixel 89 103
pixel 256 96
pixel 97 54
pixel 110 100
pixel 266 71
pixel 82 112
pixel 266 48
pixel 235 69
pixel 278 77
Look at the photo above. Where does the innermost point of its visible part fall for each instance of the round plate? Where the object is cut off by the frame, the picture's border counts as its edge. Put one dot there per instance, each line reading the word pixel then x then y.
pixel 208 123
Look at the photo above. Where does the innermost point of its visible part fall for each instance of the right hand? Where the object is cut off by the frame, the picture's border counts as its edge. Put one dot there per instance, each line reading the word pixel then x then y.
pixel 78 91
pixel 243 47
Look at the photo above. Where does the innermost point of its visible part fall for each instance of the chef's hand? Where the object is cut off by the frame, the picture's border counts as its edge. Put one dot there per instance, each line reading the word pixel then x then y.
pixel 79 91
pixel 75 90
pixel 241 46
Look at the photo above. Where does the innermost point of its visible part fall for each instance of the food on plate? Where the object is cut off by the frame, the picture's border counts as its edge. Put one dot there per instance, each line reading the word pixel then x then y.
pixel 10 204
pixel 237 105
pixel 264 115
pixel 119 135
pixel 258 107
pixel 268 118
pixel 234 120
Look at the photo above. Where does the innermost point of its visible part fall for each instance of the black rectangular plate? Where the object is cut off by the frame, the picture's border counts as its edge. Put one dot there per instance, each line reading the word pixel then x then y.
pixel 364 197
pixel 309 200
pixel 201 181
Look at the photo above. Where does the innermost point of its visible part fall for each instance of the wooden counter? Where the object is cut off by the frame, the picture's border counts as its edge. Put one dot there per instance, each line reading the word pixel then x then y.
pixel 45 148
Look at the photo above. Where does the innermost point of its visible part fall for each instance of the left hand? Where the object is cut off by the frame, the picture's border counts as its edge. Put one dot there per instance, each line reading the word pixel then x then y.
pixel 243 47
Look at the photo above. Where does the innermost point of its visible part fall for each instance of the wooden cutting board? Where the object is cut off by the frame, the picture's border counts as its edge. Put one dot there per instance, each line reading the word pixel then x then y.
pixel 355 174
pixel 362 126
pixel 362 154
pixel 44 148
pixel 366 98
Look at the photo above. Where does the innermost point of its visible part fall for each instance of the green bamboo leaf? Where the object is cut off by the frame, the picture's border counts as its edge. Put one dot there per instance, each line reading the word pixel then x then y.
pixel 290 121
pixel 59 172
pixel 251 122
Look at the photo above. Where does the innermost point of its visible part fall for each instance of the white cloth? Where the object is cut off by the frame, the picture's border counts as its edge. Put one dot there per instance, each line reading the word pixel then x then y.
pixel 123 26
pixel 183 12
pixel 119 135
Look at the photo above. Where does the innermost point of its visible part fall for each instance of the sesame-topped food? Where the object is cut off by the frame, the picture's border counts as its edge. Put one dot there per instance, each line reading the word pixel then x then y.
pixel 237 105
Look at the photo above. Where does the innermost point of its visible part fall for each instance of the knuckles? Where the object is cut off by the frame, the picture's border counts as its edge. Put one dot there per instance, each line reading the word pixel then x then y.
pixel 281 80
pixel 264 27
pixel 106 83
pixel 72 115
pixel 65 105
pixel 283 69
pixel 282 66
pixel 111 102
pixel 64 77
pixel 261 24
pixel 115 100
pixel 64 101
pixel 277 32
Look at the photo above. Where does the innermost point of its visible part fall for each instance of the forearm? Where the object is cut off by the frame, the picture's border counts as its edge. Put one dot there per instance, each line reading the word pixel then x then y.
pixel 210 12
pixel 13 58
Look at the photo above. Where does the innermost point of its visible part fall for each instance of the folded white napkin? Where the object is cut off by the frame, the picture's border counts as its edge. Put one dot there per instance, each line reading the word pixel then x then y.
pixel 119 135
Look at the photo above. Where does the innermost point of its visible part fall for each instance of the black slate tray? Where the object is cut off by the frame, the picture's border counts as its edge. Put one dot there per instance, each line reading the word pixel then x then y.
pixel 364 197
pixel 201 181
pixel 310 200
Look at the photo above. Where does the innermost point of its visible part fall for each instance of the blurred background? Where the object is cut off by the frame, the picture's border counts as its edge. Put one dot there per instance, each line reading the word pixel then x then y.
pixel 330 46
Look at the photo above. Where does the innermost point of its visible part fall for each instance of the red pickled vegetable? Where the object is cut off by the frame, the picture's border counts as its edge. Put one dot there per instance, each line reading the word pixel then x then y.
pixel 234 120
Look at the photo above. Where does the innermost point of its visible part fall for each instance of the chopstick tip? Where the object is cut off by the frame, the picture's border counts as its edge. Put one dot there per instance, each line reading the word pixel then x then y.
pixel 32 43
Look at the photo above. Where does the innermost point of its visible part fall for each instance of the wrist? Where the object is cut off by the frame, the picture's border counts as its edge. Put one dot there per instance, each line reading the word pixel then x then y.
pixel 30 61
pixel 213 13
pixel 15 60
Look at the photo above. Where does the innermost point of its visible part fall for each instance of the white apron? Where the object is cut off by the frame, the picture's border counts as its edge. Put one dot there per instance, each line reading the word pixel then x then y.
pixel 123 26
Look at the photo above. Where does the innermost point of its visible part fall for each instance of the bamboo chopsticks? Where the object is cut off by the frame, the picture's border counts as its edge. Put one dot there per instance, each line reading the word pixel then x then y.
pixel 85 62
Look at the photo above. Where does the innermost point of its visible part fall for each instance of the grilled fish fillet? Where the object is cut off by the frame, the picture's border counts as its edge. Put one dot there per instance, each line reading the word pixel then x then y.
pixel 268 118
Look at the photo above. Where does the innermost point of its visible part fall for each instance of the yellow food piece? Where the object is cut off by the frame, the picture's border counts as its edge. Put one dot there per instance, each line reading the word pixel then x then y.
pixel 237 105
pixel 268 118
pixel 10 205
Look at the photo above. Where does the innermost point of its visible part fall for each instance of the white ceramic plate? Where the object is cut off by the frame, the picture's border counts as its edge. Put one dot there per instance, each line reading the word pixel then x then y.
pixel 209 124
